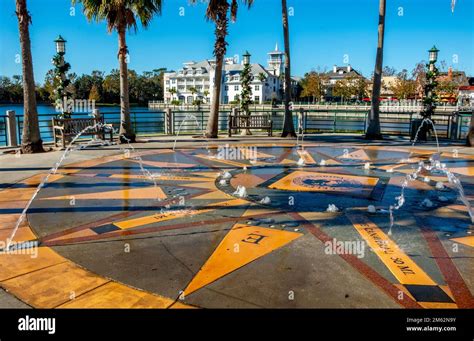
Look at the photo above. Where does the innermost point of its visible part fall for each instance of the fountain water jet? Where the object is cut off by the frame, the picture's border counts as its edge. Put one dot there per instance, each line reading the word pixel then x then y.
pixel 71 148
pixel 434 165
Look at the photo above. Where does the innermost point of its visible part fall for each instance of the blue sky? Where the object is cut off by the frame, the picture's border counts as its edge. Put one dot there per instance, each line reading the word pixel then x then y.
pixel 323 32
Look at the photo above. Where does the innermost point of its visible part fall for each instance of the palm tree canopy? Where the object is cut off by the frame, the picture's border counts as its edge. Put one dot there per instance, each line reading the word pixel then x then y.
pixel 121 13
pixel 214 6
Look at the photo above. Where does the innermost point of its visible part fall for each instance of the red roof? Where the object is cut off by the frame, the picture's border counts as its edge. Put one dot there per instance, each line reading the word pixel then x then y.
pixel 467 87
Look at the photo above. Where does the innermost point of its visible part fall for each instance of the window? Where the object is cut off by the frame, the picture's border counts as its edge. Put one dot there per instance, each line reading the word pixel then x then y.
pixel 236 87
pixel 226 88
pixel 173 81
pixel 257 87
pixel 236 97
pixel 226 99
pixel 167 82
pixel 257 99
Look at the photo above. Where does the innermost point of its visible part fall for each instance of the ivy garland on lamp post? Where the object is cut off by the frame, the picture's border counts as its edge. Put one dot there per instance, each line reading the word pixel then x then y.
pixel 246 93
pixel 60 71
pixel 430 98
pixel 429 101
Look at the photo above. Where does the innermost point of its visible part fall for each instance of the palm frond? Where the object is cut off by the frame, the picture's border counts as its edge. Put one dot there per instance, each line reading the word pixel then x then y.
pixel 121 12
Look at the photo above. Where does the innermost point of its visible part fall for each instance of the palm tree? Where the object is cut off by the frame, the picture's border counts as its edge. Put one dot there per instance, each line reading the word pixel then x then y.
pixel 122 15
pixel 31 139
pixel 373 129
pixel 217 11
pixel 288 127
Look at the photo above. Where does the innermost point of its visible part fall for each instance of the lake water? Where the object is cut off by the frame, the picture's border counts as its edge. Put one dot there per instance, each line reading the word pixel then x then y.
pixel 44 109
pixel 47 112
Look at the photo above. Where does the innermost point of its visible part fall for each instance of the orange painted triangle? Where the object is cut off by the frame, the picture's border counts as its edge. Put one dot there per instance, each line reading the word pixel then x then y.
pixel 121 194
pixel 242 245
pixel 469 240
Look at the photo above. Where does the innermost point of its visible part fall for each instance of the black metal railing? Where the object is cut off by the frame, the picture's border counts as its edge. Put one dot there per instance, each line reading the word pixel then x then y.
pixel 454 125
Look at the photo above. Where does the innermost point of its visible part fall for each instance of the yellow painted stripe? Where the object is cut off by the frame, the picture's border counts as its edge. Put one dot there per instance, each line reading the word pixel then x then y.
pixel 121 194
pixel 175 214
pixel 155 218
pixel 161 177
pixel 242 245
pixel 405 270
pixel 166 164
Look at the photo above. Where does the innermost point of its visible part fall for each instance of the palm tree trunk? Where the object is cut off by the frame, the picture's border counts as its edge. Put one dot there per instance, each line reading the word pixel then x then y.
pixel 126 130
pixel 220 48
pixel 373 129
pixel 288 127
pixel 31 139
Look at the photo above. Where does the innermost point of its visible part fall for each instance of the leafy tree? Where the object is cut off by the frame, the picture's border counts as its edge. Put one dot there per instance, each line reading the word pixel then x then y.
pixel 403 87
pixel 313 85
pixel 389 71
pixel 94 94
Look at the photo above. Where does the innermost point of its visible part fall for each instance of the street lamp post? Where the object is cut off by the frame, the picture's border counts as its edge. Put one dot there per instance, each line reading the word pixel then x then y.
pixel 60 74
pixel 430 98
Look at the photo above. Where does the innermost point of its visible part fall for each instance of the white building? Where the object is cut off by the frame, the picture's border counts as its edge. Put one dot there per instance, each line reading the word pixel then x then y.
pixel 195 81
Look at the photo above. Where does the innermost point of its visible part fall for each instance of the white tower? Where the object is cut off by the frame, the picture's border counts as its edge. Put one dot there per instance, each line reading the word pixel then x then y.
pixel 275 61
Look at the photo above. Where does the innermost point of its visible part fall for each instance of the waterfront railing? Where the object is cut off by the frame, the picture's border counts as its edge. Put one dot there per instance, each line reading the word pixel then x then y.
pixel 450 124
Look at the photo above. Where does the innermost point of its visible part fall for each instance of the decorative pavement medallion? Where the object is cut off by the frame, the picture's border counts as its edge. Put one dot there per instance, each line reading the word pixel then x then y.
pixel 244 229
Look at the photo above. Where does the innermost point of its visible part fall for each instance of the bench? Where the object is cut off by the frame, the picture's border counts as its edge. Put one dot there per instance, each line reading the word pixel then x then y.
pixel 64 128
pixel 250 122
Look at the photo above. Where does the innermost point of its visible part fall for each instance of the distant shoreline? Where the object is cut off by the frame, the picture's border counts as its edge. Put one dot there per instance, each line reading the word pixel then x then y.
pixel 97 104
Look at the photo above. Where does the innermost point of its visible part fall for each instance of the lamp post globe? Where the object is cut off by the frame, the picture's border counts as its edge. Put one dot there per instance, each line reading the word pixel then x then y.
pixel 60 45
pixel 246 57
pixel 433 54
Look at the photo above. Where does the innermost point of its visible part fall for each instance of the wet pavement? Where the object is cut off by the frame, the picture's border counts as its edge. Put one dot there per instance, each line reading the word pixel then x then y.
pixel 244 225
